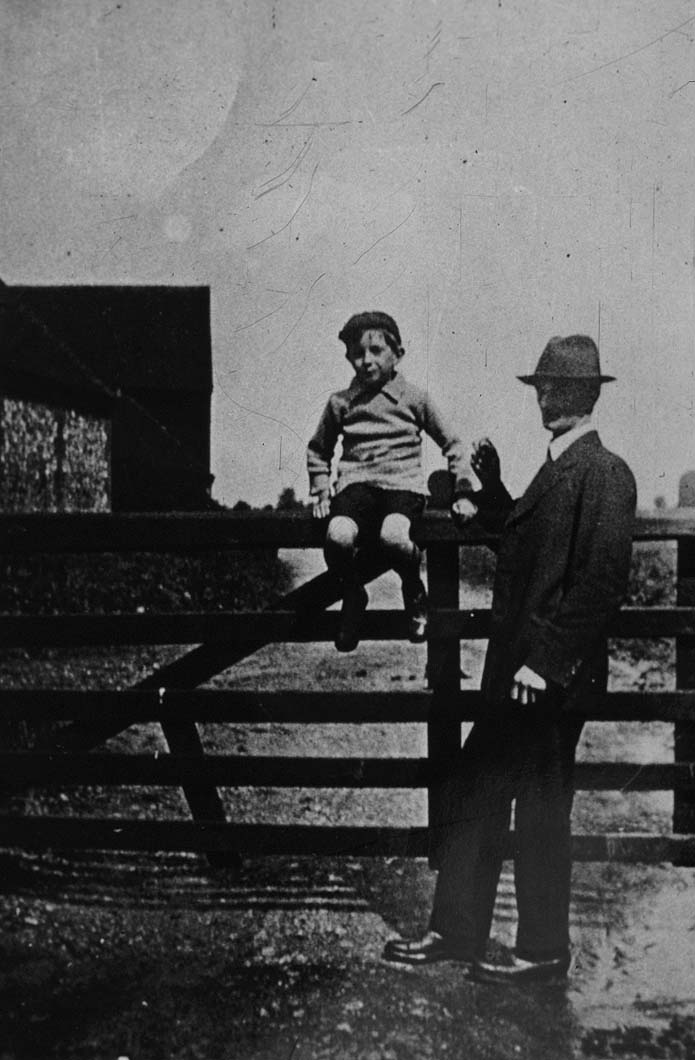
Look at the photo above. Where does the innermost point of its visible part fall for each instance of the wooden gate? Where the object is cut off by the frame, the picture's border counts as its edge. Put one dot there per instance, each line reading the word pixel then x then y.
pixel 171 696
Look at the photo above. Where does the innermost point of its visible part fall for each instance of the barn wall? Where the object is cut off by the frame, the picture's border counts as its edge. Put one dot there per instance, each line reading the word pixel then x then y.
pixel 52 459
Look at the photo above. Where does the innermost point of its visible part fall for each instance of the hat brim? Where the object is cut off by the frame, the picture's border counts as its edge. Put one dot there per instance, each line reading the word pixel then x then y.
pixel 531 380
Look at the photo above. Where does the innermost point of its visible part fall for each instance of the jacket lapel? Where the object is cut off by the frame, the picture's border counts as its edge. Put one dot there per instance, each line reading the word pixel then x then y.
pixel 551 473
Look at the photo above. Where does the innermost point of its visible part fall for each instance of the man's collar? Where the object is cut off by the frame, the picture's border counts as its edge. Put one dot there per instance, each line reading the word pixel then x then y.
pixel 393 389
pixel 560 444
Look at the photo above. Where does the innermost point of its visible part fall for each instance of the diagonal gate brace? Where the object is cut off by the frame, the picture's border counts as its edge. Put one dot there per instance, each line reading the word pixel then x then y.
pixel 197 666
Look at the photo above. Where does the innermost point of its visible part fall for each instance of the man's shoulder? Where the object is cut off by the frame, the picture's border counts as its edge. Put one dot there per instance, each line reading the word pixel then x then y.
pixel 609 465
pixel 607 458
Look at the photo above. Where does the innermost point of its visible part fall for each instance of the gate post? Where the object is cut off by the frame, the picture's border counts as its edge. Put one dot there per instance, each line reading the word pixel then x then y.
pixel 684 731
pixel 444 677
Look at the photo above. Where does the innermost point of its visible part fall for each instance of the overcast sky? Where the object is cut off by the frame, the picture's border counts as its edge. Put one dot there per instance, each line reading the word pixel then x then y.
pixel 490 172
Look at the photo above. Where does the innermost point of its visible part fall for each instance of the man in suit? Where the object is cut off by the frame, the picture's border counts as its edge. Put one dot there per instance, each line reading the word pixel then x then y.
pixel 562 569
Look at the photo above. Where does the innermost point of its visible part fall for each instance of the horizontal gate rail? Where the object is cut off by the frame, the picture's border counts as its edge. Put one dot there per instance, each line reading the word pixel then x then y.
pixel 248 627
pixel 193 628
pixel 298 840
pixel 29 768
pixel 303 708
pixel 201 531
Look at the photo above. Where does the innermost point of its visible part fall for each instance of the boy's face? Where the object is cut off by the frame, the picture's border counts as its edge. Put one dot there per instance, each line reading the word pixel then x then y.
pixel 372 359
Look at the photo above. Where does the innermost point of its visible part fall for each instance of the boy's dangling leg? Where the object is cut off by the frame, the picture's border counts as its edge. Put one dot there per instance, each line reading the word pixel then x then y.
pixel 340 551
pixel 405 558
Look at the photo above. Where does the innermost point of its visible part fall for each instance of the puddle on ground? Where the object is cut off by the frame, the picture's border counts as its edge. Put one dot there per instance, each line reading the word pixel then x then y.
pixel 632 986
pixel 641 973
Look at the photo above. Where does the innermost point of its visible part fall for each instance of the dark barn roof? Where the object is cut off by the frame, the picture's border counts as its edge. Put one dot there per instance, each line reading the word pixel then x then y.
pixel 87 343
pixel 139 357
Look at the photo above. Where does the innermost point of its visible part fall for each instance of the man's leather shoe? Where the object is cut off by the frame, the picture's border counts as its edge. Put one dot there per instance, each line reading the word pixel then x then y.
pixel 427 950
pixel 415 603
pixel 355 601
pixel 512 969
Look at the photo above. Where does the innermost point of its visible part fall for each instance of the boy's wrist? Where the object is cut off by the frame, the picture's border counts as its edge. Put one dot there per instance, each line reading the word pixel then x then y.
pixel 321 504
pixel 319 485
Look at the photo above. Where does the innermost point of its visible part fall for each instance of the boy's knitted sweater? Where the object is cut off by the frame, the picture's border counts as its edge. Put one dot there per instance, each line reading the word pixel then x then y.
pixel 382 439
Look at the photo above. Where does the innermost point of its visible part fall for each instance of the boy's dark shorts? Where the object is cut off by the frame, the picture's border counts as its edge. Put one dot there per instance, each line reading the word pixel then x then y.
pixel 368 506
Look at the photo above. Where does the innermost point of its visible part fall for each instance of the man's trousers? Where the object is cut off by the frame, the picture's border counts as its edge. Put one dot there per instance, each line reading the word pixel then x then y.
pixel 524 754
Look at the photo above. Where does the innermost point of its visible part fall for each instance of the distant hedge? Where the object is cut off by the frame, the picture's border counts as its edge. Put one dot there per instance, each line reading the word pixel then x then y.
pixel 222 581
pixel 109 582
pixel 652 573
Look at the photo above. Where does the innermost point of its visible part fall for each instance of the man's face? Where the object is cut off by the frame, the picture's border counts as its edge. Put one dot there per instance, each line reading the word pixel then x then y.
pixel 372 359
pixel 561 407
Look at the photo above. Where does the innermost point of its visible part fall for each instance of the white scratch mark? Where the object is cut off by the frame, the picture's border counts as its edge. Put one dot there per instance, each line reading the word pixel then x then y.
pixel 629 55
pixel 295 124
pixel 262 415
pixel 385 236
pixel 680 88
pixel 423 98
pixel 298 100
pixel 287 223
pixel 276 181
pixel 112 220
pixel 245 327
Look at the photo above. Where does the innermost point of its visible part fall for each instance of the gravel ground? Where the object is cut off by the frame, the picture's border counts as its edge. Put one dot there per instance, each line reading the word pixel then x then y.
pixel 107 956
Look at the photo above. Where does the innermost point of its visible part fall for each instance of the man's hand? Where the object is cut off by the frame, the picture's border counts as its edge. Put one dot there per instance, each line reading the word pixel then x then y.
pixel 485 462
pixel 463 510
pixel 322 505
pixel 527 685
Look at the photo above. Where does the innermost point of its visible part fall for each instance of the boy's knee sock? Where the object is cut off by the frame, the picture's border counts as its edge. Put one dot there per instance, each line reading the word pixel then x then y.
pixel 340 560
pixel 407 563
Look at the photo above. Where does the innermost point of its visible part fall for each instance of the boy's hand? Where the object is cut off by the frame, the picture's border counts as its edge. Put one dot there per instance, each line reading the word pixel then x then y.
pixel 485 462
pixel 322 505
pixel 463 510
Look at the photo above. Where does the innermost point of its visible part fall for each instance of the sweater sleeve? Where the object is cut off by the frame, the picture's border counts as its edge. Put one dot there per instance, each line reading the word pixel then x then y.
pixel 603 547
pixel 451 446
pixel 321 448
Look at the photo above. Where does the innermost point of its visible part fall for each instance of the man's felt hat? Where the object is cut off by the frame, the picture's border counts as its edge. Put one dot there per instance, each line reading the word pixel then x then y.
pixel 572 358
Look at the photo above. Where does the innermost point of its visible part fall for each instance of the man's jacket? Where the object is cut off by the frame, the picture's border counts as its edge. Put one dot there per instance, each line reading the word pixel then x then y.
pixel 562 570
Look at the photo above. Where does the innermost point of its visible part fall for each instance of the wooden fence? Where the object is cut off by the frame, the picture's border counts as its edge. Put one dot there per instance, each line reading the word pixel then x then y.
pixel 171 696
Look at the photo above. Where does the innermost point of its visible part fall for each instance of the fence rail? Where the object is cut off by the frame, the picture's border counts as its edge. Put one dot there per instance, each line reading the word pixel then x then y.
pixel 354 708
pixel 32 532
pixel 81 720
pixel 69 770
pixel 246 627
pixel 261 840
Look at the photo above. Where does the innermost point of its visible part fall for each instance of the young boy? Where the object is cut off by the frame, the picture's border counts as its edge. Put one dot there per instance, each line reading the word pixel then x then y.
pixel 380 485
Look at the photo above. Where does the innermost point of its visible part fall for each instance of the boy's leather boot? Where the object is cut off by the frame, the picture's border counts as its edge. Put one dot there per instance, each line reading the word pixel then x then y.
pixel 355 601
